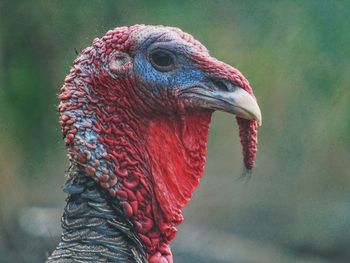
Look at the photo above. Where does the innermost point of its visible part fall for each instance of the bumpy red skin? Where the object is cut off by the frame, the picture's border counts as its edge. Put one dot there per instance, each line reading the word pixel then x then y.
pixel 151 162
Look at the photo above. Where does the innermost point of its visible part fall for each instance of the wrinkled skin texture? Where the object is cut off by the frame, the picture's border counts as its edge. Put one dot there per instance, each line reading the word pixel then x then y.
pixel 141 133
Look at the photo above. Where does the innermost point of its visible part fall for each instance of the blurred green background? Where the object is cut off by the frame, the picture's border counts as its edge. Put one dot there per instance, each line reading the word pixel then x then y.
pixel 296 54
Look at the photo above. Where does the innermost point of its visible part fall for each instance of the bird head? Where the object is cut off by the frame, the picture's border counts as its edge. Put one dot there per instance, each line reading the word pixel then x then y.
pixel 173 68
pixel 135 112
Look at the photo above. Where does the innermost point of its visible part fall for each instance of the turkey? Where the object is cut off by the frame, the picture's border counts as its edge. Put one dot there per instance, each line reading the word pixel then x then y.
pixel 135 112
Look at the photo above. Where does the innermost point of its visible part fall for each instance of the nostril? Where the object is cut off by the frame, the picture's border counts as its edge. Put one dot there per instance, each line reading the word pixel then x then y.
pixel 220 85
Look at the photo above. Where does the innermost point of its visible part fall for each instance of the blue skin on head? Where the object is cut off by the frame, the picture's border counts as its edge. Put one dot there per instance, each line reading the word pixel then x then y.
pixel 184 74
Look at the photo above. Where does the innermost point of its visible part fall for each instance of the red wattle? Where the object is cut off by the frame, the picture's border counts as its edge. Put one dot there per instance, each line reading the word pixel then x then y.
pixel 177 148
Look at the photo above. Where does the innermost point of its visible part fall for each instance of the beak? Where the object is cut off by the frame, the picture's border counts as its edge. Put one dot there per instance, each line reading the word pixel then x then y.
pixel 225 96
pixel 240 103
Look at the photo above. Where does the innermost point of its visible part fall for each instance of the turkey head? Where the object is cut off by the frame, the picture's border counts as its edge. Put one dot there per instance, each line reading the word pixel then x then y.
pixel 135 112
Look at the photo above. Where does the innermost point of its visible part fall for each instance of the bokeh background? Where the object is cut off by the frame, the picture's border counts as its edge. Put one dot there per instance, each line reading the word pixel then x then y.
pixel 296 54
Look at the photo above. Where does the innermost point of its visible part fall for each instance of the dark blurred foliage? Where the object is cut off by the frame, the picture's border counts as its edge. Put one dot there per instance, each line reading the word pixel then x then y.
pixel 296 56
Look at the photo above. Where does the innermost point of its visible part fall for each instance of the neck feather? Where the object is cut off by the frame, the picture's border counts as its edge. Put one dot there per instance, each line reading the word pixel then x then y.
pixel 94 227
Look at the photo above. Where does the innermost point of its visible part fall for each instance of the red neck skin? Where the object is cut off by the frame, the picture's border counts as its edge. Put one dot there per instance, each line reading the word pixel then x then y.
pixel 151 164
pixel 172 150
pixel 164 166
pixel 177 149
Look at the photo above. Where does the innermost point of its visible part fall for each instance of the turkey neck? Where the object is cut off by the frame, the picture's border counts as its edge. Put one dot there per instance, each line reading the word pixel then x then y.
pixel 150 164
pixel 157 173
pixel 94 227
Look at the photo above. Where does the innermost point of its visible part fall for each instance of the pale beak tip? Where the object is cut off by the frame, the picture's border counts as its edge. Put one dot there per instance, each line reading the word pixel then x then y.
pixel 247 104
pixel 260 123
pixel 259 119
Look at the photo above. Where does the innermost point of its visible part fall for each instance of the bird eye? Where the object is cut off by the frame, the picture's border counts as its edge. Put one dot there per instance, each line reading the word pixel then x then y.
pixel 162 60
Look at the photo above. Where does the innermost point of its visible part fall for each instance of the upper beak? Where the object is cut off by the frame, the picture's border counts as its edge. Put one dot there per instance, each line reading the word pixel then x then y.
pixel 225 96
pixel 225 89
pixel 240 103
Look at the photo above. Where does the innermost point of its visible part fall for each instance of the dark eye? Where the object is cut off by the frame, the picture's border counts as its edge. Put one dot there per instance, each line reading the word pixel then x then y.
pixel 162 60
